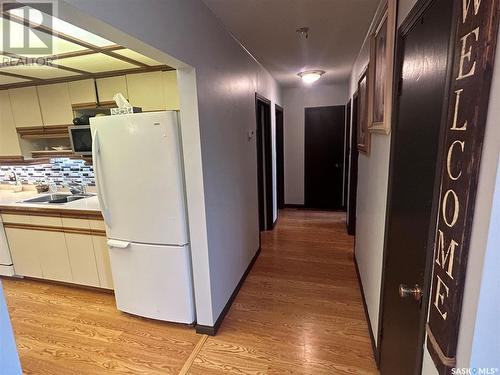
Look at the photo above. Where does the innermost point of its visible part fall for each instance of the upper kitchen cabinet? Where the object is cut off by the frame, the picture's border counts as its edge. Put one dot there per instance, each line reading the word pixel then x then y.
pixel 55 104
pixel 82 93
pixel 9 142
pixel 171 92
pixel 108 87
pixel 146 90
pixel 25 107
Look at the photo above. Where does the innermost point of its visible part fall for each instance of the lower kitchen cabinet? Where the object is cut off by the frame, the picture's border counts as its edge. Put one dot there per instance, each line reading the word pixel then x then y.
pixel 25 253
pixel 82 259
pixel 53 254
pixel 72 250
pixel 101 252
pixel 38 253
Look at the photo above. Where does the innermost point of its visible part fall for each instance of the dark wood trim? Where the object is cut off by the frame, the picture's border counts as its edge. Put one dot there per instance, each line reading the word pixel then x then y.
pixel 293 205
pixel 411 19
pixel 264 160
pixel 347 150
pixel 49 228
pixel 353 168
pixel 280 157
pixel 39 132
pixel 52 154
pixel 52 212
pixel 212 330
pixel 376 353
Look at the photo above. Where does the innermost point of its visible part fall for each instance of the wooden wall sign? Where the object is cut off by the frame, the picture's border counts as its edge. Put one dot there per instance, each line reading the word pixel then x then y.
pixel 474 53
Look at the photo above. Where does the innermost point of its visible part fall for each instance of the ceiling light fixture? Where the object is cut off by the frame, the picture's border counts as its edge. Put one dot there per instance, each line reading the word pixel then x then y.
pixel 311 76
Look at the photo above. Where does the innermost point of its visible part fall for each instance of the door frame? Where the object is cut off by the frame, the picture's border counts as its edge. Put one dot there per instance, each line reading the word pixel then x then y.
pixel 264 164
pixel 412 18
pixel 280 158
pixel 347 152
pixel 353 167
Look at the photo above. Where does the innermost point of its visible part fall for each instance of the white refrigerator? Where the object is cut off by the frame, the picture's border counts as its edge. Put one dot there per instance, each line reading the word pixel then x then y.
pixel 140 182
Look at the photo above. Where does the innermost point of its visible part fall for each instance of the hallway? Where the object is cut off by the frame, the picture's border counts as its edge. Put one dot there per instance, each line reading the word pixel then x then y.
pixel 299 312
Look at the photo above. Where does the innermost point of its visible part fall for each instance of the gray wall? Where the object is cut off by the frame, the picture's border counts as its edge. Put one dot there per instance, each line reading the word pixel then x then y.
pixel 223 207
pixel 295 100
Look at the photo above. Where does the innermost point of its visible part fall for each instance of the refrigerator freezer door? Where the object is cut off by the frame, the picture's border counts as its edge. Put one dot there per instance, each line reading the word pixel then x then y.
pixel 153 281
pixel 139 177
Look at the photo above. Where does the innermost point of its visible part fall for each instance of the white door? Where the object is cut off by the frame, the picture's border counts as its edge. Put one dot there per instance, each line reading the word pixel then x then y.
pixel 153 281
pixel 139 176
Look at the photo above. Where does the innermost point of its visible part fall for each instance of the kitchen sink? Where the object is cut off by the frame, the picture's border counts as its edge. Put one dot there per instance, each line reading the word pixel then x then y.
pixel 57 198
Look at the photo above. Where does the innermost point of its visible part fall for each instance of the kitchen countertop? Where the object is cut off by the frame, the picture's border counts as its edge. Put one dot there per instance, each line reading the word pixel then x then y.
pixel 10 200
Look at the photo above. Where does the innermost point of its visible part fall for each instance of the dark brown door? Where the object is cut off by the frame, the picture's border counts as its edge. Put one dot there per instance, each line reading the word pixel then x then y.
pixel 346 154
pixel 422 69
pixel 264 162
pixel 324 157
pixel 280 158
pixel 353 169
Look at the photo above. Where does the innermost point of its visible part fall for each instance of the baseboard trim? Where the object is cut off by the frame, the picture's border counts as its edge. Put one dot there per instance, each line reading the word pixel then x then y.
pixel 293 206
pixel 367 314
pixel 212 330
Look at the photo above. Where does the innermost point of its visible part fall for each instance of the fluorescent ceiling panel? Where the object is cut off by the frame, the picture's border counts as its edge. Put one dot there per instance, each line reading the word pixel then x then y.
pixel 95 63
pixel 37 71
pixel 5 80
pixel 138 57
pixel 60 26
pixel 58 45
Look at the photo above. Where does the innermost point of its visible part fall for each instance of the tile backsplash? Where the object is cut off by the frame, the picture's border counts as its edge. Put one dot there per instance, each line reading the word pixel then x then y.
pixel 61 171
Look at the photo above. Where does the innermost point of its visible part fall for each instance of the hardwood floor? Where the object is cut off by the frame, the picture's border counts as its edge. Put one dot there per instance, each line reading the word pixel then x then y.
pixel 298 312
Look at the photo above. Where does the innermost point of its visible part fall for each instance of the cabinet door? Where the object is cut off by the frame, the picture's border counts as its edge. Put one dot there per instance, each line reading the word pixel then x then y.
pixel 55 104
pixel 9 142
pixel 146 90
pixel 25 107
pixel 171 92
pixel 102 259
pixel 108 87
pixel 54 258
pixel 82 259
pixel 25 251
pixel 83 92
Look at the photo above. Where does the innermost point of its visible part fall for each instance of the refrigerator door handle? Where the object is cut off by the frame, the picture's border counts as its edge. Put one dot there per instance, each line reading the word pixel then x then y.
pixel 100 190
pixel 118 244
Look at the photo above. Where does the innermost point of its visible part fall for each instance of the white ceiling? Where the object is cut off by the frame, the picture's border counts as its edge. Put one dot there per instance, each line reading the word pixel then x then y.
pixel 267 29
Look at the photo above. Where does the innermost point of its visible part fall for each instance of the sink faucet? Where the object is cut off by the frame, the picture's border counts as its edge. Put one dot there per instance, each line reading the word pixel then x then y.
pixel 13 177
pixel 78 188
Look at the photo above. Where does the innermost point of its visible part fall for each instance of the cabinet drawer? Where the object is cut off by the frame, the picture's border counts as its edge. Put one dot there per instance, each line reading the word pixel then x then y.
pixel 48 221
pixel 16 219
pixel 97 225
pixel 75 223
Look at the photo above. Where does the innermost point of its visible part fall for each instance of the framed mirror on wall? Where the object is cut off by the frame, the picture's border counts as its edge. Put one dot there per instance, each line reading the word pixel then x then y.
pixel 381 69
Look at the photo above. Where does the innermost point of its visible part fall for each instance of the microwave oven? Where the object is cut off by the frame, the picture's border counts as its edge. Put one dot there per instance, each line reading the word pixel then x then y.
pixel 81 139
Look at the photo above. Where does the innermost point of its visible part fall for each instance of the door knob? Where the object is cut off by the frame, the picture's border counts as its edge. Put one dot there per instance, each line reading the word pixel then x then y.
pixel 406 291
